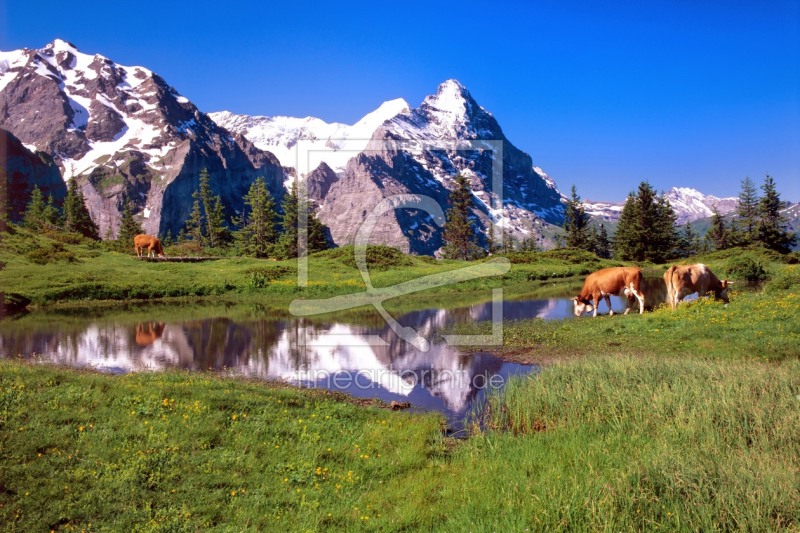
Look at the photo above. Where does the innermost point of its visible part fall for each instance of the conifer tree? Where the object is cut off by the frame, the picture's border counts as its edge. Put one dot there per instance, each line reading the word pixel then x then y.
pixel 772 231
pixel 689 242
pixel 746 226
pixel 628 239
pixel 76 215
pixel 34 217
pixel 52 215
pixel 128 228
pixel 459 234
pixel 646 229
pixel 601 244
pixel 293 205
pixel 212 216
pixel 576 223
pixel 193 229
pixel 258 232
pixel 718 235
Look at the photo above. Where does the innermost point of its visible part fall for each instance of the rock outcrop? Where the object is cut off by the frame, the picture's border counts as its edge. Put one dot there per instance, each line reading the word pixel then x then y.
pixel 21 170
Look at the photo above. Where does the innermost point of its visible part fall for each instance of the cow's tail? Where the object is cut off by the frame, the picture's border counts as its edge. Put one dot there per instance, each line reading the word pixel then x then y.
pixel 672 297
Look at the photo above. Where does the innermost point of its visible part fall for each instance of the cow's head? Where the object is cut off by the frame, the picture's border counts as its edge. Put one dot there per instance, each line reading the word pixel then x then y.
pixel 581 306
pixel 722 292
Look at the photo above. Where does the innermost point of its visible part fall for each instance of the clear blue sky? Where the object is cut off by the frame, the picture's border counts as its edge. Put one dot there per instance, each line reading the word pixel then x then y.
pixel 602 95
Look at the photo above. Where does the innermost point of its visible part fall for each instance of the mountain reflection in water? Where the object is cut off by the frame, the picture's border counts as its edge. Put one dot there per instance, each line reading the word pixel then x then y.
pixel 364 360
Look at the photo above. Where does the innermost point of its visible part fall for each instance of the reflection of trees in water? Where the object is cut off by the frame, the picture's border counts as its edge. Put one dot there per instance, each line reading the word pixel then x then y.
pixel 25 344
pixel 216 343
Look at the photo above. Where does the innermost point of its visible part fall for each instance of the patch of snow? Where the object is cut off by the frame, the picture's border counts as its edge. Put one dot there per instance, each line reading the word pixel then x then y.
pixel 9 63
pixel 291 138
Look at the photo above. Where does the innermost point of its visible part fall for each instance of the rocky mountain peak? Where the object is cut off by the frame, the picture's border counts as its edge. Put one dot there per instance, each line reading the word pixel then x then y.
pixel 451 97
pixel 690 204
pixel 125 134
pixel 424 162
pixel 451 113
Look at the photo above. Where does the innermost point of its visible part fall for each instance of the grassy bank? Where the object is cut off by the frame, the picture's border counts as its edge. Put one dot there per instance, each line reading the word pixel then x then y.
pixel 612 442
pixel 761 324
pixel 54 270
pixel 673 420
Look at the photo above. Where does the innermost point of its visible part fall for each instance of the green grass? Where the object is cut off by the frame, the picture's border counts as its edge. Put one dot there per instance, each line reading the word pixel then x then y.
pixel 679 420
pixel 187 452
pixel 625 443
pixel 616 443
pixel 761 324
pixel 57 269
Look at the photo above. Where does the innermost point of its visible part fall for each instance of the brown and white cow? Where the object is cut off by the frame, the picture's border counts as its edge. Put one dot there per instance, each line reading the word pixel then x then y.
pixel 604 283
pixel 144 242
pixel 683 280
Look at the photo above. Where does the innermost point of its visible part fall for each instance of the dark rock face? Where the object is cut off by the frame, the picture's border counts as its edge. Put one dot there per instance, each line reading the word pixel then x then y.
pixel 125 135
pixel 21 170
pixel 368 180
pixel 319 182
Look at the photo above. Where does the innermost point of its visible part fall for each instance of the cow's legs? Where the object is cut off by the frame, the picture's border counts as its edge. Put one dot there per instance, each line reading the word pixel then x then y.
pixel 608 303
pixel 640 298
pixel 596 301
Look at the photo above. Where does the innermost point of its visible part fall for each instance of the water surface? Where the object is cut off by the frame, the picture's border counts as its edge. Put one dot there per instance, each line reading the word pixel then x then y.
pixel 362 357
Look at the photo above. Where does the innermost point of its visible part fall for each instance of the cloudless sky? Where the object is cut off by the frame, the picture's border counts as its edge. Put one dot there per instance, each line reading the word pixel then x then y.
pixel 602 95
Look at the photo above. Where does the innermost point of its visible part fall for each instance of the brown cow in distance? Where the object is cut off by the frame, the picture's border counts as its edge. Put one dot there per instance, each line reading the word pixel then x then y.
pixel 683 280
pixel 152 244
pixel 604 283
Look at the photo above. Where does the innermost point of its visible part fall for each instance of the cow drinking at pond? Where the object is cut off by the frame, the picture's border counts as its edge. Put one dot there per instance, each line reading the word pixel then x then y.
pixel 148 242
pixel 604 283
pixel 683 280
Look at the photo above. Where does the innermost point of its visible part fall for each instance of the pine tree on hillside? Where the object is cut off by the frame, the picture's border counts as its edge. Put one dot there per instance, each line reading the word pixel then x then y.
pixel 602 244
pixel 212 217
pixel 627 240
pixel 646 229
pixel 772 230
pixel 315 231
pixel 128 229
pixel 689 242
pixel 34 217
pixel 746 227
pixel 258 233
pixel 576 223
pixel 718 235
pixel 52 215
pixel 76 215
pixel 193 229
pixel 459 233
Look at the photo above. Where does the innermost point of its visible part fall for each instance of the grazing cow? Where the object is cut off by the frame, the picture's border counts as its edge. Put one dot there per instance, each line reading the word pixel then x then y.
pixel 684 280
pixel 152 244
pixel 604 283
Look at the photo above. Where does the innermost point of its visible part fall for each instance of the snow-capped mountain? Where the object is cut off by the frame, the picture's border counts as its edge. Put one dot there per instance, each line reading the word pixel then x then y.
pixel 689 205
pixel 398 150
pixel 335 143
pixel 125 134
pixel 419 153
